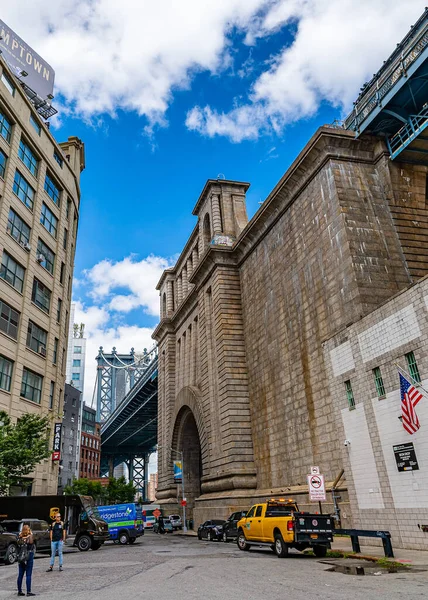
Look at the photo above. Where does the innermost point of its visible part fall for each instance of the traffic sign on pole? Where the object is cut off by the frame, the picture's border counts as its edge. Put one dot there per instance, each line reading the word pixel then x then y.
pixel 315 470
pixel 316 488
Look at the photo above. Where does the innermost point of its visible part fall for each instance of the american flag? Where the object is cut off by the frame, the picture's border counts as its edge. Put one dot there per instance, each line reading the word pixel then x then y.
pixel 410 396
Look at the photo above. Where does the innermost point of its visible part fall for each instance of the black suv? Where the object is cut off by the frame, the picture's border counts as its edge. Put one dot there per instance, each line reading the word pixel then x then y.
pixel 39 528
pixel 230 530
pixel 8 547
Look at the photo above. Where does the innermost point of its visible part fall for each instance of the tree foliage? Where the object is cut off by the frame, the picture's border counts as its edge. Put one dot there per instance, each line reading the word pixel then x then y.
pixel 115 492
pixel 22 446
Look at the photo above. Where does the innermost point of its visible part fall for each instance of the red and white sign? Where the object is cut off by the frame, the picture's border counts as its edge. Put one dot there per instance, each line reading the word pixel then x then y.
pixel 184 503
pixel 316 488
pixel 157 513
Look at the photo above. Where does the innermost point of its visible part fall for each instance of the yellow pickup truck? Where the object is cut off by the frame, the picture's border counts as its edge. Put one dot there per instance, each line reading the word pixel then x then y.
pixel 280 525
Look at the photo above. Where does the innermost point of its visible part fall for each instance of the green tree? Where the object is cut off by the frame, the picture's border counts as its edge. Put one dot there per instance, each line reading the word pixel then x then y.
pixel 23 445
pixel 119 491
pixel 85 487
pixel 115 492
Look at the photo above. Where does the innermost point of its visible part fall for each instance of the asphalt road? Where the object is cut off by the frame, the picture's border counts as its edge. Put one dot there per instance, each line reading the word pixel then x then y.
pixel 173 567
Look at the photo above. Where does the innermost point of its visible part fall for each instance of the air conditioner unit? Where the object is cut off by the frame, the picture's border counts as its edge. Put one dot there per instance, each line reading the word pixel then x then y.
pixel 42 350
pixel 40 258
pixel 27 246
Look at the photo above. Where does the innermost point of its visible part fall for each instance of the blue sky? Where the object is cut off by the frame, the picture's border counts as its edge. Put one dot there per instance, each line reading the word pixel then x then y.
pixel 166 95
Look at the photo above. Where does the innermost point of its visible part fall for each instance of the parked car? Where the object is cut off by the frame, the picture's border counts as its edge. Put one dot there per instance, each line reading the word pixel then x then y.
pixel 211 530
pixel 8 547
pixel 39 528
pixel 176 521
pixel 167 525
pixel 230 529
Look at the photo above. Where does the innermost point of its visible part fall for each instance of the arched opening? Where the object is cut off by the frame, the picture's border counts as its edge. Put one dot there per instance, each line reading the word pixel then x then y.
pixel 207 231
pixel 163 305
pixel 186 440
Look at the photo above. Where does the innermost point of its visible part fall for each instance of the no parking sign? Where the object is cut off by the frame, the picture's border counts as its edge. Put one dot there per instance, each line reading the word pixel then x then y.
pixel 316 488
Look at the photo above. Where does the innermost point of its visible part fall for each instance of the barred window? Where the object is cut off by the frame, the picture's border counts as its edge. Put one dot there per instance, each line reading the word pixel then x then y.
pixel 8 83
pixel 36 338
pixel 41 296
pixel 18 228
pixel 49 220
pixel 413 367
pixel 45 256
pixel 58 158
pixel 23 190
pixel 9 320
pixel 52 189
pixel 31 387
pixel 349 395
pixel 3 159
pixel 6 367
pixel 34 122
pixel 5 128
pixel 12 272
pixel 28 158
pixel 380 387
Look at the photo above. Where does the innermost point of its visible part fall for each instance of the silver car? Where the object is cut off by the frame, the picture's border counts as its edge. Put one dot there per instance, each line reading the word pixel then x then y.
pixel 176 521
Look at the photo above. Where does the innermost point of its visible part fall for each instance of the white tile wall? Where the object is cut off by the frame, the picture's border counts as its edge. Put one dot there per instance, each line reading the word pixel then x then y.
pixel 390 333
pixel 342 359
pixel 361 458
pixel 409 489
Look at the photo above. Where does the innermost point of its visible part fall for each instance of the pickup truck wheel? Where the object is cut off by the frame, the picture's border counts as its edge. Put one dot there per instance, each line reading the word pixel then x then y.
pixel 281 549
pixel 84 543
pixel 320 551
pixel 242 542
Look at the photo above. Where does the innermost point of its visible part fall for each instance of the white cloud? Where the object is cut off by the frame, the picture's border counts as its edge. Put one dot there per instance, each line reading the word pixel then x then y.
pixel 338 45
pixel 138 276
pixel 104 314
pixel 130 54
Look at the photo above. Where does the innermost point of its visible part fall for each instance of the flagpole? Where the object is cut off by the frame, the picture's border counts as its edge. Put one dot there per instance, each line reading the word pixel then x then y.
pixel 411 379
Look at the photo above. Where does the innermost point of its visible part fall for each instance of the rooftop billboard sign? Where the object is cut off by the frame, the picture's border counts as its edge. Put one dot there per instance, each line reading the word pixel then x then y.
pixel 21 57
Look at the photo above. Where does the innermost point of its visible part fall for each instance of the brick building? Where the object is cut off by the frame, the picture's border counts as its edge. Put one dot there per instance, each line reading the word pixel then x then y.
pixel 72 413
pixel 90 445
pixel 251 311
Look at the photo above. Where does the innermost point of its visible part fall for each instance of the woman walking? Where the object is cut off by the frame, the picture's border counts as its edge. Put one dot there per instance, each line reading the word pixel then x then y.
pixel 25 559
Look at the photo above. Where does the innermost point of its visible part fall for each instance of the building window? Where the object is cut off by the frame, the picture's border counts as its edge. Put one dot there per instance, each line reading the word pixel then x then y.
pixel 69 287
pixel 58 311
pixel 76 362
pixel 45 256
pixel 62 273
pixel 77 350
pixel 6 367
pixel 49 220
pixel 9 320
pixel 75 376
pixel 73 417
pixel 55 351
pixel 5 128
pixel 41 296
pixel 51 189
pixel 63 361
pixel 70 448
pixel 58 158
pixel 65 240
pixel 413 367
pixel 67 211
pixel 12 272
pixel 23 190
pixel 3 159
pixel 52 394
pixel 34 122
pixel 28 158
pixel 8 83
pixel 18 228
pixel 380 388
pixel 31 387
pixel 36 338
pixel 349 395
pixel 73 402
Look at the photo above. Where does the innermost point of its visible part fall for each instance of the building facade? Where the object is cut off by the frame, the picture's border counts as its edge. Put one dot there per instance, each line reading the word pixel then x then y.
pixel 70 436
pixel 39 213
pixel 76 353
pixel 90 445
pixel 152 487
pixel 246 390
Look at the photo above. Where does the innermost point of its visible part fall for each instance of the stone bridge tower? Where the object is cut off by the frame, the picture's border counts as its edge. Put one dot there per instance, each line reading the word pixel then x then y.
pixel 204 407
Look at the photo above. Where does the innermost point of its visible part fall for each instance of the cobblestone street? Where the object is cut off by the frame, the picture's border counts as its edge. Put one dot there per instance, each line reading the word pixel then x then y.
pixel 179 567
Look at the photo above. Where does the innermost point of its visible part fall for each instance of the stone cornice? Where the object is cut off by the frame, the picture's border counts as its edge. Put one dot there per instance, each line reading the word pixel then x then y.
pixel 216 185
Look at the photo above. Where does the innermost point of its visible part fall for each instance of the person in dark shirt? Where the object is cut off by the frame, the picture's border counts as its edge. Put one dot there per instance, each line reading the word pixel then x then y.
pixel 57 534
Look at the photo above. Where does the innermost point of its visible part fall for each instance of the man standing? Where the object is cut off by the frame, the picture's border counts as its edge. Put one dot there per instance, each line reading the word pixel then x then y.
pixel 57 535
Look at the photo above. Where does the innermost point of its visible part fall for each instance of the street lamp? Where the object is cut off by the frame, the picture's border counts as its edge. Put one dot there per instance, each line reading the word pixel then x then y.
pixel 181 455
